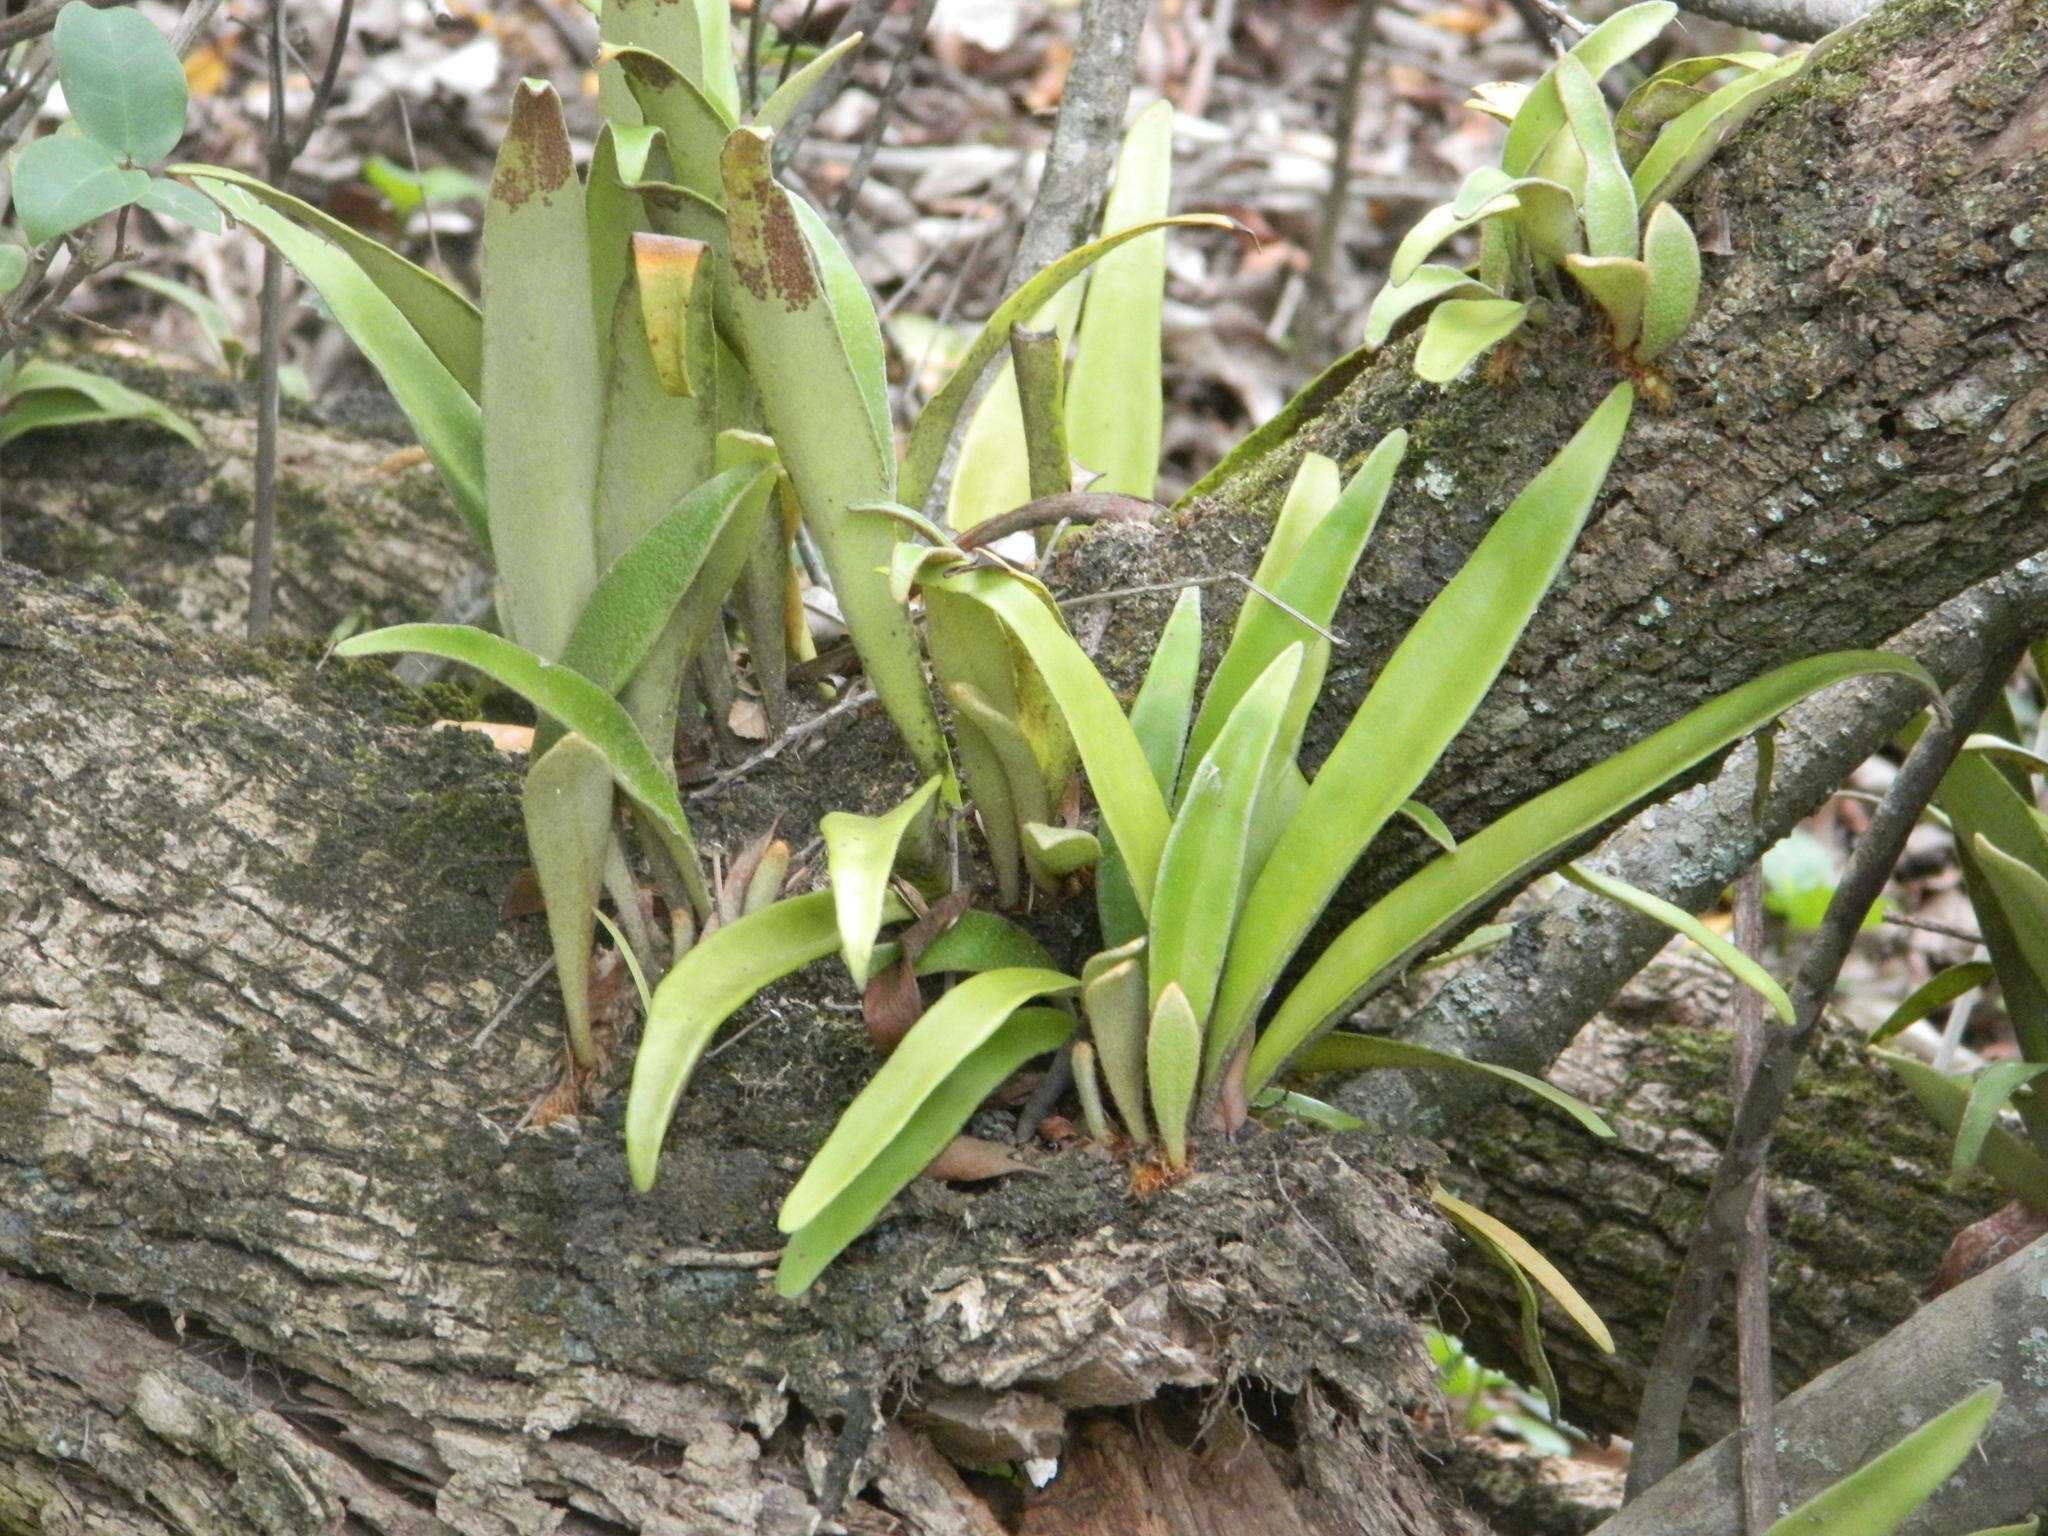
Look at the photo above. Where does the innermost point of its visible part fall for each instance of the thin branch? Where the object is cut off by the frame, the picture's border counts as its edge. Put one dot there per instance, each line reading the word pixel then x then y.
pixel 277 159
pixel 1706 1266
pixel 1525 1001
pixel 863 16
pixel 193 21
pixel 30 23
pixel 1194 96
pixel 1084 136
pixel 885 108
pixel 1762 1485
pixel 1322 269
pixel 1802 21
pixel 789 738
pixel 323 94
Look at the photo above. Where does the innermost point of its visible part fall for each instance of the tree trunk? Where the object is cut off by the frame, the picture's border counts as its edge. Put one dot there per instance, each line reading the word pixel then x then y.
pixel 282 1257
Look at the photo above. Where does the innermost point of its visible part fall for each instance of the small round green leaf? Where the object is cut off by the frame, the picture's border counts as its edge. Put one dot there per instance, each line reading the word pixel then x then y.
pixel 122 81
pixel 63 182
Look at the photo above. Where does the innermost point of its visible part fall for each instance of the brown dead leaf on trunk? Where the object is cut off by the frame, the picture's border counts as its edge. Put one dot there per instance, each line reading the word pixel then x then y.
pixel 970 1159
pixel 1985 1243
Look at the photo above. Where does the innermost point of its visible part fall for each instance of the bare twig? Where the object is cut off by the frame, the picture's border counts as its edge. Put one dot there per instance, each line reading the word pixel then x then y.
pixel 33 22
pixel 892 92
pixel 1194 96
pixel 1761 1484
pixel 801 731
pixel 1707 1261
pixel 277 160
pixel 1322 269
pixel 197 14
pixel 863 16
pixel 1084 136
pixel 1800 20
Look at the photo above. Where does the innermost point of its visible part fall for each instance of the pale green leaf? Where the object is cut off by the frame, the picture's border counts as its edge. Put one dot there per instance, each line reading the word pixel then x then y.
pixel 567 803
pixel 1061 851
pixel 1671 258
pixel 1689 140
pixel 1533 1263
pixel 1299 1106
pixel 775 111
pixel 45 394
pixel 2017 1166
pixel 1159 719
pixel 543 396
pixel 2009 753
pixel 122 80
pixel 935 1121
pixel 817 368
pixel 1991 1089
pixel 1173 1068
pixel 860 856
pixel 1311 494
pixel 1310 585
pixel 1114 394
pixel 1431 825
pixel 981 941
pixel 1431 231
pixel 1879 1496
pixel 174 200
pixel 1404 923
pixel 950 1032
pixel 695 125
pixel 934 427
pixel 444 415
pixel 1743 968
pixel 1670 92
pixel 1618 285
pixel 636 598
pixel 1133 809
pixel 449 324
pixel 14 266
pixel 1202 868
pixel 1420 700
pixel 1459 330
pixel 1607 205
pixel 1541 115
pixel 567 697
pixel 1943 988
pixel 1113 995
pixel 703 988
pixel 1343 1052
pixel 2022 900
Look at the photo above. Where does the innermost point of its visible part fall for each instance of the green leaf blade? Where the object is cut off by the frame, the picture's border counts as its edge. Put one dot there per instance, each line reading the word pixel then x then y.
pixel 1404 923
pixel 950 1031
pixel 861 853
pixel 938 1119
pixel 63 182
pixel 1422 698
pixel 122 80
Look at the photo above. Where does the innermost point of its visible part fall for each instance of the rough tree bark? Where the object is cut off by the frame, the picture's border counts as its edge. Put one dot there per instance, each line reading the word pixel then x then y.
pixel 281 1262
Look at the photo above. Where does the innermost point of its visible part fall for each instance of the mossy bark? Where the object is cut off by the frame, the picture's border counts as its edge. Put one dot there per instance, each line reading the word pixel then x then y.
pixel 250 933
pixel 281 1259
